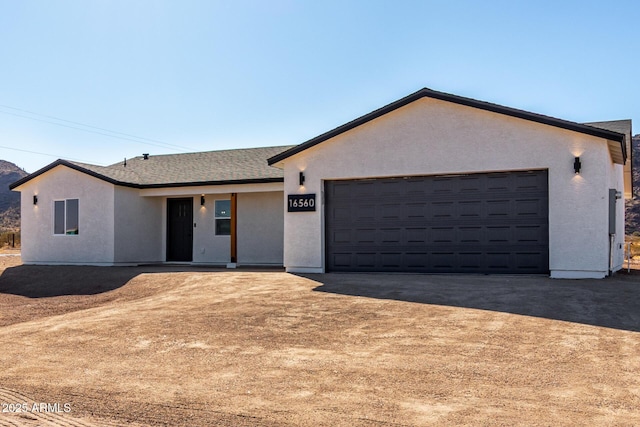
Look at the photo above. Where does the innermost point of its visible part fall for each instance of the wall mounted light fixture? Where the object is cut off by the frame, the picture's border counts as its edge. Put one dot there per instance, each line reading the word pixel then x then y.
pixel 577 165
pixel 302 178
pixel 202 200
pixel 35 199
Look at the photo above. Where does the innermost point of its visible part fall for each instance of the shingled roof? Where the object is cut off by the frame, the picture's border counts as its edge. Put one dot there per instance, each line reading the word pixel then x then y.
pixel 239 166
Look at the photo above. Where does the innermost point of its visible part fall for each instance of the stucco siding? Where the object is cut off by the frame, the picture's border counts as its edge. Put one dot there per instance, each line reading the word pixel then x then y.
pixel 94 243
pixel 432 137
pixel 260 228
pixel 207 246
pixel 138 227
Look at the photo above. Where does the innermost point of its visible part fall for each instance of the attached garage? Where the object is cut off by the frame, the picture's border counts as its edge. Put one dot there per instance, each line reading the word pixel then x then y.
pixel 475 223
pixel 438 183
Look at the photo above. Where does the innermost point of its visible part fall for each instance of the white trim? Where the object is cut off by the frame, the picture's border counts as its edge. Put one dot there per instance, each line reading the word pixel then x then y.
pixel 212 189
pixel 318 270
pixel 578 274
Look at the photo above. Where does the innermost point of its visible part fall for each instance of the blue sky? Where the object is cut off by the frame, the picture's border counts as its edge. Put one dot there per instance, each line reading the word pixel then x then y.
pixel 196 75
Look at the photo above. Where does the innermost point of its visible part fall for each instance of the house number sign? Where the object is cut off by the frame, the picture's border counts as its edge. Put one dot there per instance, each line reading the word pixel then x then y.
pixel 301 203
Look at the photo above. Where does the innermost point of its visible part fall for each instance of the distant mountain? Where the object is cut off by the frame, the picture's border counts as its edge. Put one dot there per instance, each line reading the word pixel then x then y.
pixel 633 206
pixel 9 200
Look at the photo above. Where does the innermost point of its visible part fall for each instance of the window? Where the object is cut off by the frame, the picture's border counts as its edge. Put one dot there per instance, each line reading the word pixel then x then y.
pixel 223 217
pixel 65 217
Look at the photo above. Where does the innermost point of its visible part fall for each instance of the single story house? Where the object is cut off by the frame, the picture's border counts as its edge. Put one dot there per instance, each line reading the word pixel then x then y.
pixel 433 182
pixel 212 207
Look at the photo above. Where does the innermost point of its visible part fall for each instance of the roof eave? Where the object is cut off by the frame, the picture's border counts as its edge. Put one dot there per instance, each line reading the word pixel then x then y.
pixel 61 162
pixel 78 168
pixel 428 93
pixel 205 183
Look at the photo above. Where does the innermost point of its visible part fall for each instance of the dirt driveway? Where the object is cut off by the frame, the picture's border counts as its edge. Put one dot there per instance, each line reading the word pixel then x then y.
pixel 150 346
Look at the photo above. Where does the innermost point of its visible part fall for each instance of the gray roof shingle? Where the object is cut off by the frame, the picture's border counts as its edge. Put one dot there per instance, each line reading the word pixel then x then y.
pixel 187 169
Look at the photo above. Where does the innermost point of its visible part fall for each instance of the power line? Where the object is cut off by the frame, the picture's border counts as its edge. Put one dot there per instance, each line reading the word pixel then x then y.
pixel 112 134
pixel 43 154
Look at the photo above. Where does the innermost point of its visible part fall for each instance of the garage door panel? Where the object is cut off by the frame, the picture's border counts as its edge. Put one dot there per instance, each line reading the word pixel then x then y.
pixel 471 260
pixel 528 261
pixel 530 207
pixel 496 222
pixel 416 260
pixel 341 236
pixel 472 209
pixel 341 189
pixel 391 211
pixel 472 234
pixel 497 208
pixel 498 182
pixel 528 182
pixel 416 235
pixel 470 184
pixel 366 235
pixel 442 186
pixel 366 260
pixel 529 233
pixel 341 260
pixel 391 236
pixel 499 233
pixel 341 214
pixel 442 260
pixel 391 259
pixel 364 212
pixel 498 260
pixel 443 234
pixel 444 209
pixel 416 210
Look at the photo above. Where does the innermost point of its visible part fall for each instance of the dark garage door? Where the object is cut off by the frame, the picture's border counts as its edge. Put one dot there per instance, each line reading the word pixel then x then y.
pixel 476 223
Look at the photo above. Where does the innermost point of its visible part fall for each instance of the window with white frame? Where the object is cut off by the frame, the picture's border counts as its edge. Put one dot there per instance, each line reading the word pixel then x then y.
pixel 65 217
pixel 223 217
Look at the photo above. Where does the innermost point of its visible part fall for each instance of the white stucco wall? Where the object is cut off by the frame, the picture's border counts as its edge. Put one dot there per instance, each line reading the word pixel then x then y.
pixel 207 247
pixel 432 137
pixel 121 225
pixel 260 228
pixel 94 243
pixel 137 228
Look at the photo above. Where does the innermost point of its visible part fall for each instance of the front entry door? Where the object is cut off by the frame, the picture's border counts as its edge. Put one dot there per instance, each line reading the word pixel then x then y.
pixel 180 229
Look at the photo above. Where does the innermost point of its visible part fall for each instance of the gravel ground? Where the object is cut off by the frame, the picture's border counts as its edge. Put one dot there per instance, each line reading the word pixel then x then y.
pixel 150 346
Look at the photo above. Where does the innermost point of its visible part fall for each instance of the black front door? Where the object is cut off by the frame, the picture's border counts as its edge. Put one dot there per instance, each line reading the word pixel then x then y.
pixel 180 229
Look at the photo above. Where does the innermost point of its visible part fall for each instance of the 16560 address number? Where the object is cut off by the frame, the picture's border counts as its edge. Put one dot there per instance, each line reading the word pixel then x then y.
pixel 301 203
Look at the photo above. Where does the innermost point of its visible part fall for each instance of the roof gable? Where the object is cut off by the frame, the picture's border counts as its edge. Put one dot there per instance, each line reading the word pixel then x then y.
pixel 619 157
pixel 240 166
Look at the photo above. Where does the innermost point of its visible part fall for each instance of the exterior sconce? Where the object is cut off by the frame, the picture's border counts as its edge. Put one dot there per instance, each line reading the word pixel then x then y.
pixel 577 165
pixel 301 178
pixel 202 200
pixel 35 199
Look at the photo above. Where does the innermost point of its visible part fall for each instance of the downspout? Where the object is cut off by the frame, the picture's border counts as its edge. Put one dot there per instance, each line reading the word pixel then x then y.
pixel 614 195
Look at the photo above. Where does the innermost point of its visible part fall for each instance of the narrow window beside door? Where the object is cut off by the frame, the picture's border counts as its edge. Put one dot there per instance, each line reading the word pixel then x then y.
pixel 223 217
pixel 66 217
